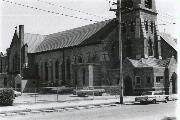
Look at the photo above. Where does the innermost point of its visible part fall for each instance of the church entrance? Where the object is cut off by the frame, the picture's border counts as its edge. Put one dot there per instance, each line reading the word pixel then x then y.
pixel 174 83
pixel 128 90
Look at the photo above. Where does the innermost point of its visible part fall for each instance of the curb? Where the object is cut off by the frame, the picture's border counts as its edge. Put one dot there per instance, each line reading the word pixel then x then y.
pixel 55 109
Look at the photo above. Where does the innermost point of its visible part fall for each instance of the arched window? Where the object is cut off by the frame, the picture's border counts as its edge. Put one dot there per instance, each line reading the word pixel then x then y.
pixel 57 69
pixel 46 71
pixel 152 26
pixel 127 4
pixel 146 25
pixel 16 64
pixel 37 70
pixel 42 70
pixel 150 47
pixel 80 60
pixel 132 26
pixel 95 58
pixel 148 4
pixel 63 73
pixel 84 76
pixel 75 77
pixel 51 68
pixel 68 69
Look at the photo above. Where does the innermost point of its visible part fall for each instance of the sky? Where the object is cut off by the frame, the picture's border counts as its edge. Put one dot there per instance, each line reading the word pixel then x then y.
pixel 39 22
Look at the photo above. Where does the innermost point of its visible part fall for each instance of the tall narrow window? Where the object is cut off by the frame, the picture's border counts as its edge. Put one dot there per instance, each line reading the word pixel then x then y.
pixel 152 27
pixel 68 69
pixel 148 80
pixel 57 69
pixel 75 78
pixel 84 76
pixel 146 25
pixel 80 60
pixel 159 79
pixel 42 71
pixel 148 4
pixel 150 47
pixel 46 71
pixel 51 70
pixel 132 25
pixel 138 80
pixel 37 70
pixel 63 73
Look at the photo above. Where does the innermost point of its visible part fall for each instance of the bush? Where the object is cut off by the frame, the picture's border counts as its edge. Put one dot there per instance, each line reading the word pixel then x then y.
pixel 6 97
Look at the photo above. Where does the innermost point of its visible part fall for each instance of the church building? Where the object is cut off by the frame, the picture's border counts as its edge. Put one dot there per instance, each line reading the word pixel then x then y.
pixel 89 55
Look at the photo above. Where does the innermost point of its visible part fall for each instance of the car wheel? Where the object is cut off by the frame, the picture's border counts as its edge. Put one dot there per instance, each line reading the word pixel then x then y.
pixel 154 101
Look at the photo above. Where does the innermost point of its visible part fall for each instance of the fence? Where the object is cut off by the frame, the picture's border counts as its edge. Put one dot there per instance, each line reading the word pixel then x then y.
pixel 64 94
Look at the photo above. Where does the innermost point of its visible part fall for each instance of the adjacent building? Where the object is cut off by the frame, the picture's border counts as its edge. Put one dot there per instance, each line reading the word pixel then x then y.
pixel 3 70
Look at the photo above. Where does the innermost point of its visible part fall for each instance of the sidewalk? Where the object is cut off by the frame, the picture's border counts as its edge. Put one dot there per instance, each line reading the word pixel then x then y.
pixel 55 105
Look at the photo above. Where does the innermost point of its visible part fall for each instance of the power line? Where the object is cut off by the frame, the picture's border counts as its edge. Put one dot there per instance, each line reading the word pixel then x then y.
pixel 166 22
pixel 166 14
pixel 48 11
pixel 166 17
pixel 55 4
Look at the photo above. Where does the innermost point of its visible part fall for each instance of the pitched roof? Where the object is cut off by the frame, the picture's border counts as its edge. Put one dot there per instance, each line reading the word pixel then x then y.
pixel 69 38
pixel 149 62
pixel 33 41
pixel 169 39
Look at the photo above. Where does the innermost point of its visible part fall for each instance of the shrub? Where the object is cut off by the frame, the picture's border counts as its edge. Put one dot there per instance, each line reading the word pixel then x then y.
pixel 6 97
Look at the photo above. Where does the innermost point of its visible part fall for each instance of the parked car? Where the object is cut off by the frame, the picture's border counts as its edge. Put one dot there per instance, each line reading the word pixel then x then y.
pixel 88 91
pixel 152 97
pixel 17 93
pixel 173 97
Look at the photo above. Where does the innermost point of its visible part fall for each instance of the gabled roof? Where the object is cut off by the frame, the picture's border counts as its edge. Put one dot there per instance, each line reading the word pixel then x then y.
pixel 149 62
pixel 169 39
pixel 33 41
pixel 74 37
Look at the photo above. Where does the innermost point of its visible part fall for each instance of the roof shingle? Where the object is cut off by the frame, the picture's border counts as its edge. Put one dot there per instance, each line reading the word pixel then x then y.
pixel 74 37
pixel 169 39
pixel 150 62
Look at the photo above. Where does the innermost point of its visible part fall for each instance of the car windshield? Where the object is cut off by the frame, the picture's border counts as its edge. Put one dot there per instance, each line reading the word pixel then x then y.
pixel 147 93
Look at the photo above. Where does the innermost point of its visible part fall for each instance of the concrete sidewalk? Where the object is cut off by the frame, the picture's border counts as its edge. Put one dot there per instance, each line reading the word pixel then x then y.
pixel 55 105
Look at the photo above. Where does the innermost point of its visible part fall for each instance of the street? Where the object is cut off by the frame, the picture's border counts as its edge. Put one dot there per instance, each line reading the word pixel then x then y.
pixel 123 112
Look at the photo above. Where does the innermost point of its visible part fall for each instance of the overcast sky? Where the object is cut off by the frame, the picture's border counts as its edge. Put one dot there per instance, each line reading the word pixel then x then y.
pixel 39 22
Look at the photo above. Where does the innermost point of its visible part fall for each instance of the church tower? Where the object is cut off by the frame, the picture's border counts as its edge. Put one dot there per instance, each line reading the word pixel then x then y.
pixel 139 29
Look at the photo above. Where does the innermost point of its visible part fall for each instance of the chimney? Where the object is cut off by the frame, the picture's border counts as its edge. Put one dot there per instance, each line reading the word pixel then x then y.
pixel 21 34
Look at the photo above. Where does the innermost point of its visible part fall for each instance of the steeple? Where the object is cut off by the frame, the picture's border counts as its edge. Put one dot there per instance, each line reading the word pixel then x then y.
pixel 139 17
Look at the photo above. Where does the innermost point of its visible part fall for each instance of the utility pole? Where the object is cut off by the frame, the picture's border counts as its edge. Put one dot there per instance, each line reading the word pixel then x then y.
pixel 118 15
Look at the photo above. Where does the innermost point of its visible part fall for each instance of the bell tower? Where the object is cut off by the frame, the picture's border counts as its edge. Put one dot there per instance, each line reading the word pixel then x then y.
pixel 139 29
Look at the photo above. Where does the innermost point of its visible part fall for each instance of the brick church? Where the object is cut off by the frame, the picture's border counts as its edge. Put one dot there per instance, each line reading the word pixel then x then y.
pixel 89 55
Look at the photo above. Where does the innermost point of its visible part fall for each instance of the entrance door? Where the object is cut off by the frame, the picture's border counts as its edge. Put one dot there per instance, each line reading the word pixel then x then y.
pixel 128 90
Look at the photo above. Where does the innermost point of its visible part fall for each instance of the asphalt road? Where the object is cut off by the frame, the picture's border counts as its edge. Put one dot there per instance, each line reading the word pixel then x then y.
pixel 120 112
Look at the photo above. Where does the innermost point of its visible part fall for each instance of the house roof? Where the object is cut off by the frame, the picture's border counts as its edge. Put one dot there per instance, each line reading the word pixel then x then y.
pixel 169 39
pixel 74 37
pixel 149 62
pixel 33 41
